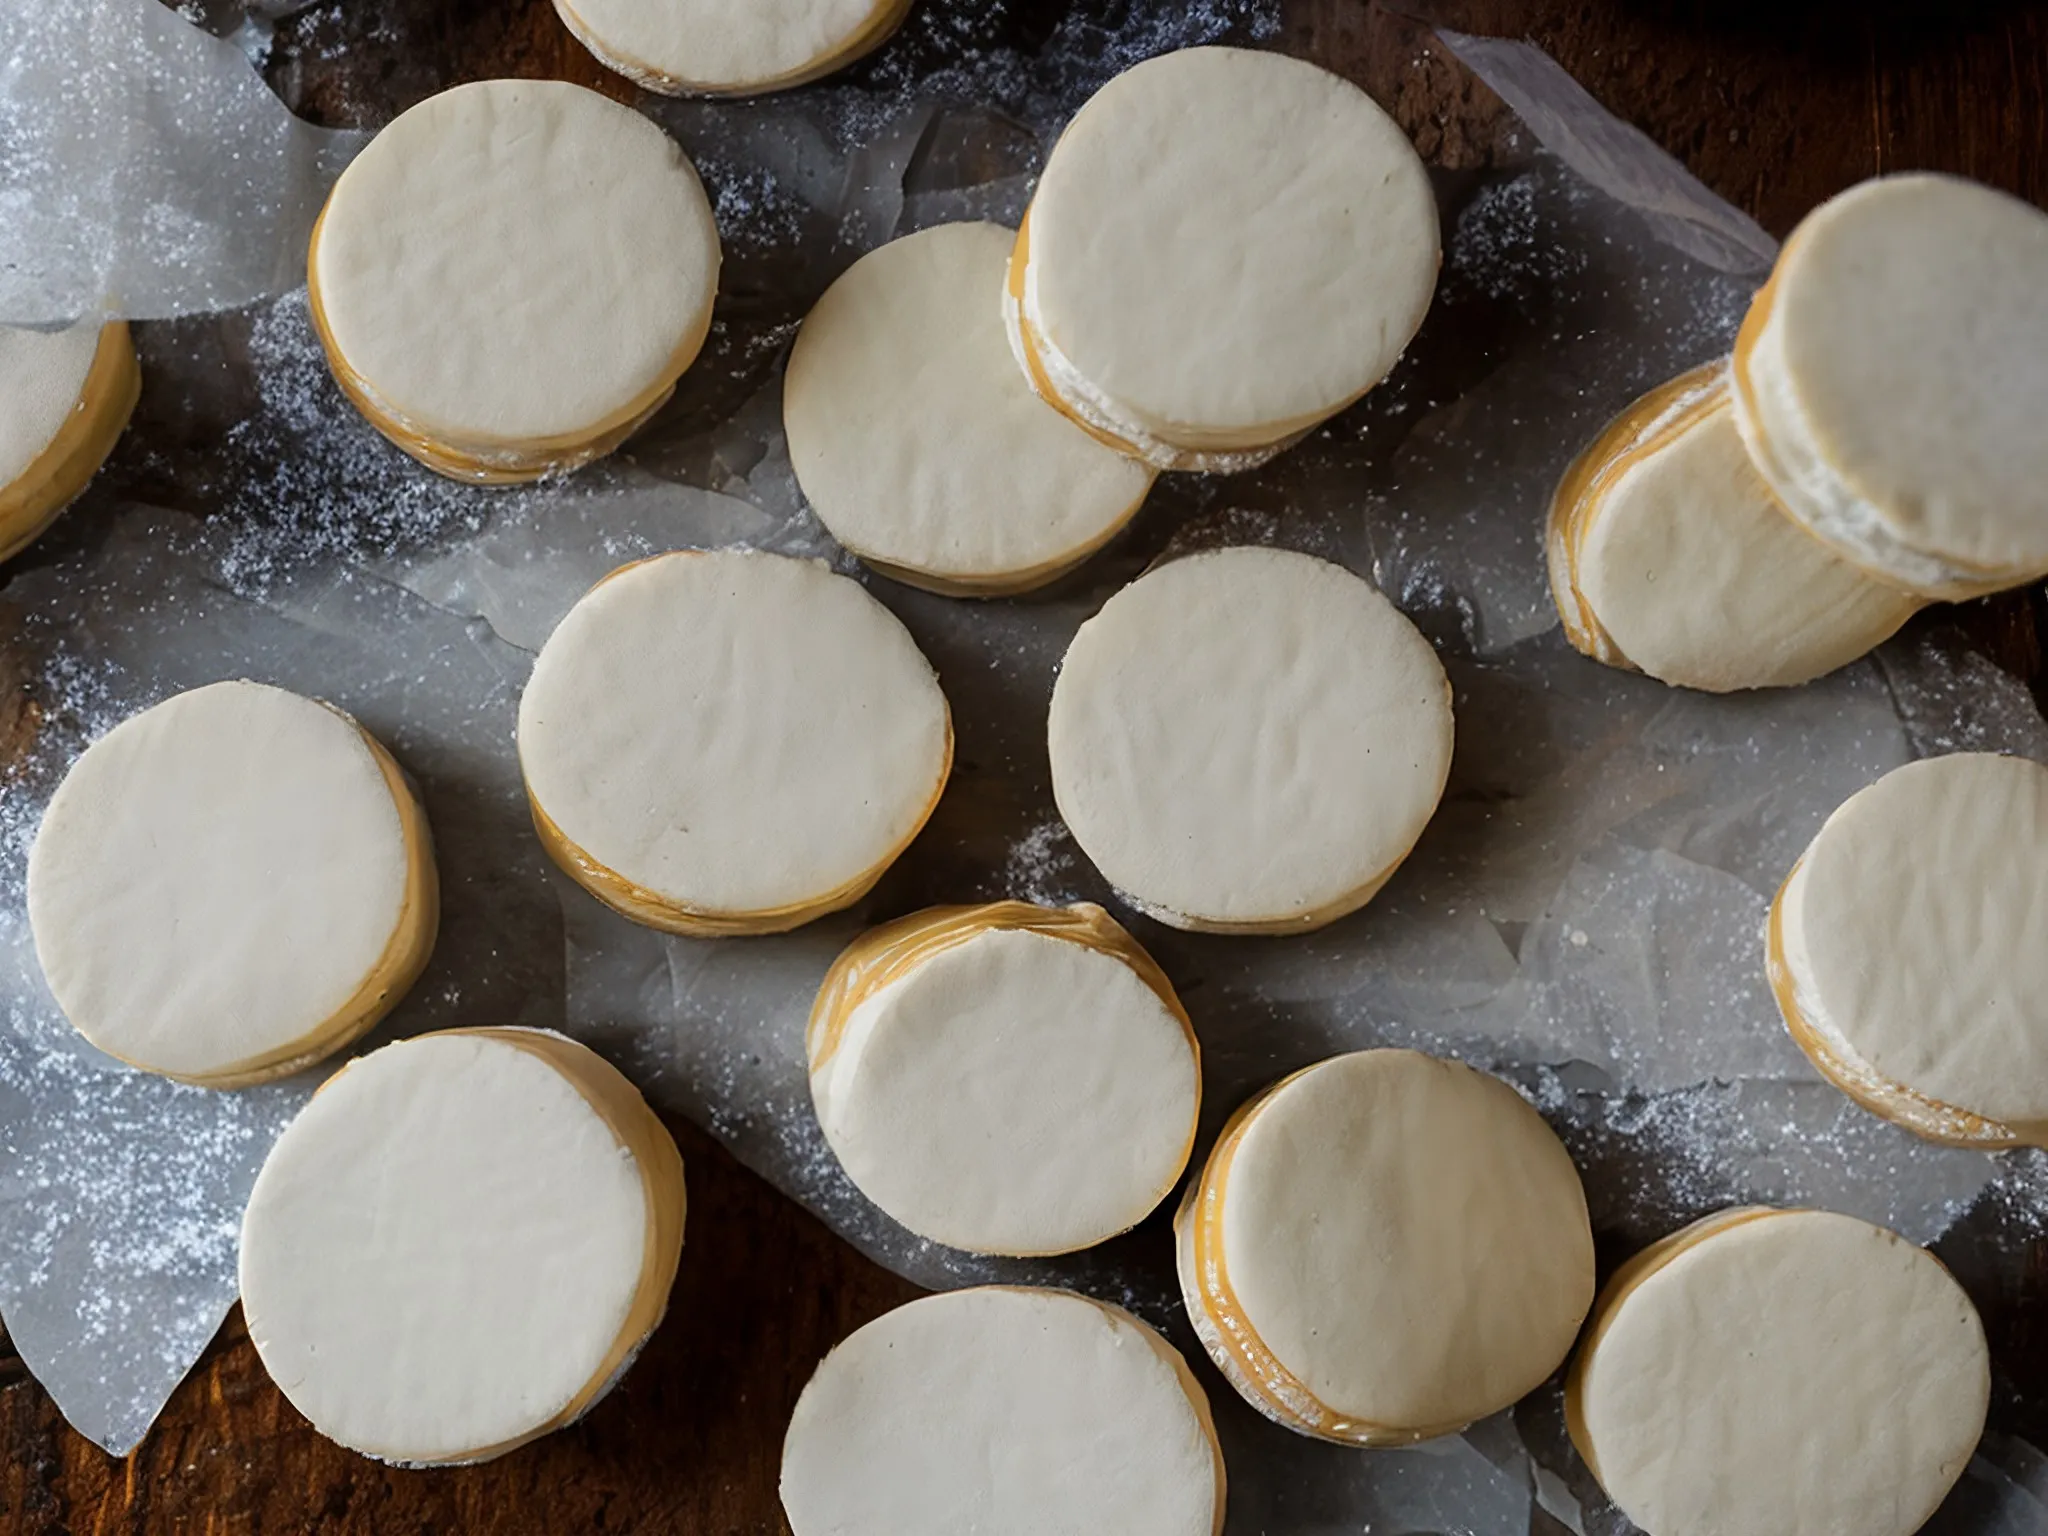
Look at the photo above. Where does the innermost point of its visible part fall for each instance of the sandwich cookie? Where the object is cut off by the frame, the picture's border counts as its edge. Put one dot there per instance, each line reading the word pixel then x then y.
pixel 510 279
pixel 1906 949
pixel 1249 740
pixel 232 885
pixel 1888 380
pixel 1226 248
pixel 460 1243
pixel 1385 1247
pixel 729 47
pixel 919 445
pixel 1670 556
pixel 1003 1411
pixel 65 397
pixel 1005 1079
pixel 1769 1371
pixel 726 742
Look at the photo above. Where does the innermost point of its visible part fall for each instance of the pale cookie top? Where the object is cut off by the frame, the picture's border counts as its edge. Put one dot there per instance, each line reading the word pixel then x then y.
pixel 1015 1093
pixel 727 45
pixel 1005 1412
pixel 1899 374
pixel 1916 929
pixel 735 732
pixel 1228 241
pixel 916 438
pixel 516 260
pixel 1800 1372
pixel 1700 579
pixel 42 376
pixel 441 1249
pixel 1248 734
pixel 1408 1238
pixel 216 877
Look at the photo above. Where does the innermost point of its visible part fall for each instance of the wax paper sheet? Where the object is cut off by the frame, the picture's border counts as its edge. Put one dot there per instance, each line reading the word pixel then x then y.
pixel 1583 916
pixel 147 169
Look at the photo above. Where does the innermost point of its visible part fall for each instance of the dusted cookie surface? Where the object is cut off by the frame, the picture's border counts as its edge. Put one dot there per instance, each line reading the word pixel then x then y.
pixel 1006 1412
pixel 919 444
pixel 1889 379
pixel 727 741
pixel 460 1242
pixel 496 306
pixel 1906 948
pixel 1225 248
pixel 1385 1247
pixel 1770 1371
pixel 1249 740
pixel 65 397
pixel 1005 1078
pixel 1669 555
pixel 231 885
pixel 729 47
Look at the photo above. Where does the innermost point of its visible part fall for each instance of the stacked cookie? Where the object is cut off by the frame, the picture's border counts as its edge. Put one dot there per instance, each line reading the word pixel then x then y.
pixel 1226 248
pixel 1869 448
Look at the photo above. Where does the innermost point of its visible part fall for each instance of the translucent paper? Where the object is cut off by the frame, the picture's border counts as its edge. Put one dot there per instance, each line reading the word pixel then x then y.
pixel 1584 915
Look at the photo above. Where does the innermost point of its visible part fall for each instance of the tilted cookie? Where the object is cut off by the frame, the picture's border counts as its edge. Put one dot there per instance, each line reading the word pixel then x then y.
pixel 1226 248
pixel 1888 382
pixel 1669 555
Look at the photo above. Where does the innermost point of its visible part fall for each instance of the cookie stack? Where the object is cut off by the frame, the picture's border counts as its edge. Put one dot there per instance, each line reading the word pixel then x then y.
pixel 1870 447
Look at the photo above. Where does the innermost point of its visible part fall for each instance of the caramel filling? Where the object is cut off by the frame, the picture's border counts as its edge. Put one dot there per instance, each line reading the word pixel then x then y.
pixel 56 476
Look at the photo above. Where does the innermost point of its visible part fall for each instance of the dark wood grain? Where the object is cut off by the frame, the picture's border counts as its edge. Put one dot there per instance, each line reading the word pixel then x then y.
pixel 1773 104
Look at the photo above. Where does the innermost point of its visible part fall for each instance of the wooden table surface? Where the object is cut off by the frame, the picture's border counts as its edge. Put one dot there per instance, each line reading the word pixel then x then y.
pixel 1774 113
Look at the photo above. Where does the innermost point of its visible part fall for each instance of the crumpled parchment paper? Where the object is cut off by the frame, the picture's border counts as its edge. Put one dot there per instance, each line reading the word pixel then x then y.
pixel 1583 916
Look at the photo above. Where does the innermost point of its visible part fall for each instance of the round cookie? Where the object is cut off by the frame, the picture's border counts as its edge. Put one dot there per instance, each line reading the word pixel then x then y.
pixel 1888 380
pixel 65 397
pixel 1249 740
pixel 729 47
pixel 1005 1079
pixel 918 444
pixel 1386 1247
pixel 1007 1412
pixel 460 1243
pixel 1906 949
pixel 492 306
pixel 232 885
pixel 1226 248
pixel 1767 1370
pixel 1670 556
pixel 726 741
